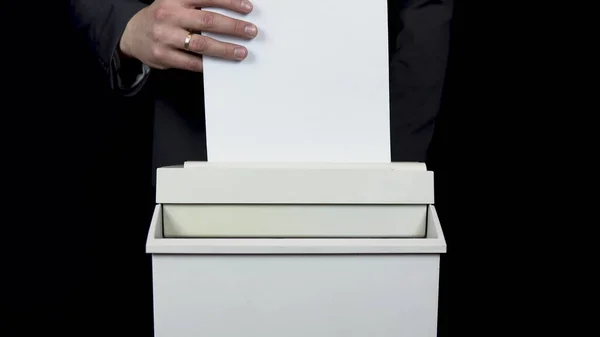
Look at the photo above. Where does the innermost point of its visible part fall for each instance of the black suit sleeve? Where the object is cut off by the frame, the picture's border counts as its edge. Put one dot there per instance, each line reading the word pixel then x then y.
pixel 417 73
pixel 101 23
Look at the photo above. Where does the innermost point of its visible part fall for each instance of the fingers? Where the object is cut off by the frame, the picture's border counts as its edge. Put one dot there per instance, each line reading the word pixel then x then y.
pixel 240 6
pixel 206 21
pixel 207 46
pixel 174 58
pixel 170 46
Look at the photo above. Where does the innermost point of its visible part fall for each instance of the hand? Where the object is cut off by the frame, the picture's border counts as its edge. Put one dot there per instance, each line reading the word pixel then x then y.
pixel 156 35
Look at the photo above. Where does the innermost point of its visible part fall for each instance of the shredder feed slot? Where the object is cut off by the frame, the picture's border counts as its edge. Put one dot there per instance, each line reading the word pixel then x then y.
pixel 227 220
pixel 432 243
pixel 375 184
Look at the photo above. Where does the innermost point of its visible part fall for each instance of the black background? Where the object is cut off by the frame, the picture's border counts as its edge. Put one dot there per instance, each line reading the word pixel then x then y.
pixel 83 158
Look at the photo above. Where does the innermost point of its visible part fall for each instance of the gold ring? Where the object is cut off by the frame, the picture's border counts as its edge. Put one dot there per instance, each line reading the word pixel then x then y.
pixel 186 43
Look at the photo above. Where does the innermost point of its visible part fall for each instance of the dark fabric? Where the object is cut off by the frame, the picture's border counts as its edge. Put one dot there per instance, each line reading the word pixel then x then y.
pixel 417 73
pixel 102 23
pixel 179 126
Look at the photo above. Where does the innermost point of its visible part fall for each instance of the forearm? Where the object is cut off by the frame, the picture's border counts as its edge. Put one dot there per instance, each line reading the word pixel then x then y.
pixel 101 23
pixel 417 74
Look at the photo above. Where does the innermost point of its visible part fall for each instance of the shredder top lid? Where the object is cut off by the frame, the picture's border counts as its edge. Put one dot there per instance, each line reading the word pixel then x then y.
pixel 295 183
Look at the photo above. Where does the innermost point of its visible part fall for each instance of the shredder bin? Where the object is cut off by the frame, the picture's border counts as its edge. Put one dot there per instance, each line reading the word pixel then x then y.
pixel 311 285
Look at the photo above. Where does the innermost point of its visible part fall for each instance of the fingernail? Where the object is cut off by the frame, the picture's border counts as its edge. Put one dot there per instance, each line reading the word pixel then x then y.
pixel 239 52
pixel 246 5
pixel 250 30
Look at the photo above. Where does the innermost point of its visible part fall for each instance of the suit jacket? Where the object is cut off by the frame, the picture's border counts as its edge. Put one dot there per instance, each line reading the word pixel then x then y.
pixel 417 72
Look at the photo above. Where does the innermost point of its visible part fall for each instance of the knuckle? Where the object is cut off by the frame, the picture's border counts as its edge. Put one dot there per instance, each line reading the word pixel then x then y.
pixel 207 20
pixel 157 52
pixel 199 44
pixel 193 64
pixel 239 27
pixel 157 33
pixel 162 14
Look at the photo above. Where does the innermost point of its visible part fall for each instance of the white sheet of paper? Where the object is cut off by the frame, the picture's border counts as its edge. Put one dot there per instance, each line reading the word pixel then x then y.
pixel 314 87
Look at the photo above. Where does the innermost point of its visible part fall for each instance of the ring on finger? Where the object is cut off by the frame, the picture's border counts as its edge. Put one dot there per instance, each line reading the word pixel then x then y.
pixel 186 42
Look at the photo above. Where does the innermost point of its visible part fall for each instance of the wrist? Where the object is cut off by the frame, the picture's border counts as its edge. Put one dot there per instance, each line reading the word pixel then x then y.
pixel 125 45
pixel 127 40
pixel 124 50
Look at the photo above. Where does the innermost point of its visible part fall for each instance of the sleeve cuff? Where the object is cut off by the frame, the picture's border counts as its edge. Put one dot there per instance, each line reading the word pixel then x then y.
pixel 129 76
pixel 120 70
